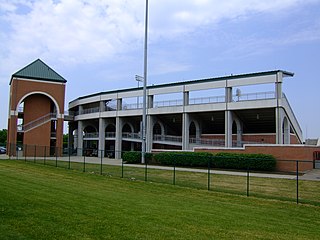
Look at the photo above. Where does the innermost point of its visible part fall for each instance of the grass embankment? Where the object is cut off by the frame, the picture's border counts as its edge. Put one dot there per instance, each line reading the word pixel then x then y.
pixel 41 202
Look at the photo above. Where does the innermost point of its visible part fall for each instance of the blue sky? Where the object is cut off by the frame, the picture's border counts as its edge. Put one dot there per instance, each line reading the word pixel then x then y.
pixel 97 45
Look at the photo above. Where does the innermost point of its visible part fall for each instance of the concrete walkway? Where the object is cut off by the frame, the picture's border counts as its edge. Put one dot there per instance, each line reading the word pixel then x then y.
pixel 311 175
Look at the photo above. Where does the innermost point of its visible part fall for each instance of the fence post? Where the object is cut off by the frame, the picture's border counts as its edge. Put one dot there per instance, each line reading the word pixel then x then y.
pixel 25 153
pixel 45 154
pixel 121 168
pixel 35 151
pixel 297 174
pixel 174 172
pixel 146 168
pixel 101 161
pixel 69 158
pixel 248 178
pixel 209 166
pixel 56 152
pixel 17 153
pixel 84 162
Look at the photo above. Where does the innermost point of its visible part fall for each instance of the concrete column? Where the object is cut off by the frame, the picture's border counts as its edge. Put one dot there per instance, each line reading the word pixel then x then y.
pixel 228 118
pixel 239 129
pixel 286 131
pixel 278 86
pixel 150 101
pixel 279 118
pixel 118 143
pixel 185 98
pixel 228 129
pixel 80 109
pixel 80 139
pixel 102 106
pixel 102 138
pixel 279 126
pixel 228 94
pixel 239 135
pixel 70 138
pixel 185 131
pixel 119 104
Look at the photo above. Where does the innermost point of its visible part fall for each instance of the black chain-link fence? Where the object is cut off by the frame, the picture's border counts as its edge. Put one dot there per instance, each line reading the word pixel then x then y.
pixel 282 186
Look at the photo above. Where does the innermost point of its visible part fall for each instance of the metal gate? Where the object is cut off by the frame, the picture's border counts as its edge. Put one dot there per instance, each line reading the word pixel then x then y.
pixel 316 159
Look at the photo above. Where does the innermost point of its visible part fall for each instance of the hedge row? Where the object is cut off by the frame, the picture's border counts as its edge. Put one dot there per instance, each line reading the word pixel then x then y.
pixel 135 157
pixel 261 162
pixel 189 159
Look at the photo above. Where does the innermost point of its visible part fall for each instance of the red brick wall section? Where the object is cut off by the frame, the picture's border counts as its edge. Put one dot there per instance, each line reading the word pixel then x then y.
pixel 283 153
pixel 254 138
pixel 36 106
pixel 21 87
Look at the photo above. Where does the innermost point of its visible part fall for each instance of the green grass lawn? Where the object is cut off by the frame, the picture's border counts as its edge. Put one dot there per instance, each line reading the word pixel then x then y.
pixel 280 189
pixel 42 202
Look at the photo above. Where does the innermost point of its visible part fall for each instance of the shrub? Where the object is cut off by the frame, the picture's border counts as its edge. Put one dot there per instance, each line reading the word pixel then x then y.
pixel 262 162
pixel 135 157
pixel 190 159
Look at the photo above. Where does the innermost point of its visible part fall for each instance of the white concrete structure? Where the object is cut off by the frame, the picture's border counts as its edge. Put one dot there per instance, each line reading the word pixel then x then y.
pixel 111 121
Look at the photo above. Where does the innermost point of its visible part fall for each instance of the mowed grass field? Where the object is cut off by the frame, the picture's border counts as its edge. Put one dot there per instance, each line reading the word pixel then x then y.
pixel 43 202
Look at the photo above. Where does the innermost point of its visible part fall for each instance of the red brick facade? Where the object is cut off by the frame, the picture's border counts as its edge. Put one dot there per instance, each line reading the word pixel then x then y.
pixel 285 154
pixel 39 97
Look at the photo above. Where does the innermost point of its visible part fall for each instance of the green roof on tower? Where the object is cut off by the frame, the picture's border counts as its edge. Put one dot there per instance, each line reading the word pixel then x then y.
pixel 38 70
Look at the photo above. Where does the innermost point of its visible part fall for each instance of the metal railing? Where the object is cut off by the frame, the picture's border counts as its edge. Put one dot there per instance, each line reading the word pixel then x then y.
pixel 254 96
pixel 287 102
pixel 167 138
pixel 168 103
pixel 207 100
pixel 192 101
pixel 37 122
pixel 132 106
pixel 91 135
pixel 90 110
pixel 131 135
pixel 110 135
pixel 204 141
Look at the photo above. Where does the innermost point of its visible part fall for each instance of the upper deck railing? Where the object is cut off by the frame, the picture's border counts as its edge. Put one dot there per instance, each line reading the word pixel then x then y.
pixel 192 101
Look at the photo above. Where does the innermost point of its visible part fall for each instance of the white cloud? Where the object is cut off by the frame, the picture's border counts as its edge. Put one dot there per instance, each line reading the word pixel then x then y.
pixel 84 31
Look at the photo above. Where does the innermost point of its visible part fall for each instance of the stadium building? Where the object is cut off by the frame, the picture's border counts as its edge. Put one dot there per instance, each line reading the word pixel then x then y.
pixel 217 114
pixel 211 112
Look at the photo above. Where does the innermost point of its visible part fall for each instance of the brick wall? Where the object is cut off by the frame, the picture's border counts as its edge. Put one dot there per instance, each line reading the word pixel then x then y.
pixel 283 153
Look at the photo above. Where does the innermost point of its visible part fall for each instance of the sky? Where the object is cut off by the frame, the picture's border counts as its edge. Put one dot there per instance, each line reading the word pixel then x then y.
pixel 97 45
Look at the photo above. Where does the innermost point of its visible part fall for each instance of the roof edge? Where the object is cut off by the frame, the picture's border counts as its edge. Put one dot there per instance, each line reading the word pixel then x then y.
pixel 285 73
pixel 52 80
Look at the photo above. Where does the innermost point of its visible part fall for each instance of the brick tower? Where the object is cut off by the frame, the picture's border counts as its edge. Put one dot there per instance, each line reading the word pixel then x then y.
pixel 36 111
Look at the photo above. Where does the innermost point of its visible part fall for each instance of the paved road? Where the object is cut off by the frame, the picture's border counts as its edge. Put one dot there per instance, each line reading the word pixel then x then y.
pixel 311 175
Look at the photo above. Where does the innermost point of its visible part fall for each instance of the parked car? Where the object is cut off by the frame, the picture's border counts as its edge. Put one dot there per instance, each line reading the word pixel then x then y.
pixel 3 150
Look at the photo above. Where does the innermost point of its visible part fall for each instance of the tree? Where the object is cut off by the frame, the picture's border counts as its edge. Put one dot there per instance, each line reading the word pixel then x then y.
pixel 3 136
pixel 65 140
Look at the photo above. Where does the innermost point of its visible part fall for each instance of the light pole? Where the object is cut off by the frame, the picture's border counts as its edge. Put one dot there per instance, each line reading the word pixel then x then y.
pixel 144 112
pixel 138 79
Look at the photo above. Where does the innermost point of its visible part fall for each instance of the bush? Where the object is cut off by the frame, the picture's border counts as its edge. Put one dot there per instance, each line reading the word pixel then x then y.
pixel 262 162
pixel 135 157
pixel 190 159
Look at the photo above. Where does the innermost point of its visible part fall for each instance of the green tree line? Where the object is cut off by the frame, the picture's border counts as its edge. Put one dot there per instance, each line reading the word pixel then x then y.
pixel 3 136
